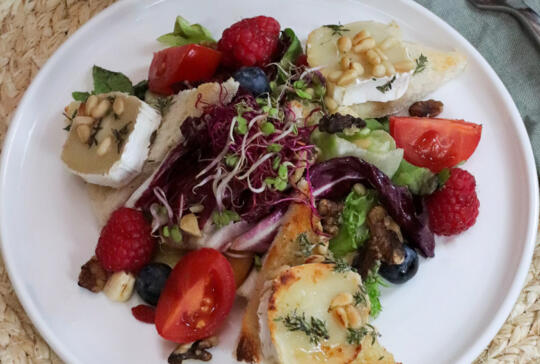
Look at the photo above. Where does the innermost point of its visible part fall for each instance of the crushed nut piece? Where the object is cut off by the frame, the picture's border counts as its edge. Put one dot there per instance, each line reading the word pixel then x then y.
pixel 93 277
pixel 429 108
pixel 196 350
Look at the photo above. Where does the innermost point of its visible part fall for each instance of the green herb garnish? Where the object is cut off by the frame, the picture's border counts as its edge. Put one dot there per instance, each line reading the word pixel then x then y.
pixel 80 96
pixel 359 298
pixel 276 162
pixel 95 130
pixel 355 336
pixel 257 262
pixel 267 128
pixel 337 29
pixel 274 147
pixel 176 234
pixel 225 217
pixel 120 136
pixel 387 86
pixel 185 33
pixel 420 64
pixel 241 126
pixel 231 160
pixel 304 245
pixel 314 328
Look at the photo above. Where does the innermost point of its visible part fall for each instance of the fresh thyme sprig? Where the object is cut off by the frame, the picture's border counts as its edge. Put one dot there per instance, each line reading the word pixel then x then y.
pixel 420 64
pixel 162 104
pixel 120 136
pixel 95 129
pixel 70 118
pixel 314 328
pixel 340 266
pixel 337 29
pixel 387 86
pixel 304 245
pixel 359 297
pixel 355 336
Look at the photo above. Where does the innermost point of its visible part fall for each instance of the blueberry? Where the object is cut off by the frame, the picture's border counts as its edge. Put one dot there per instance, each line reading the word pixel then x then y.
pixel 253 79
pixel 151 280
pixel 401 273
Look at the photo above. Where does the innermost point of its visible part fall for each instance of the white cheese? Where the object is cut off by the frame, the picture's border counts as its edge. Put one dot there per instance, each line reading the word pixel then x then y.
pixel 121 142
pixel 363 90
pixel 309 289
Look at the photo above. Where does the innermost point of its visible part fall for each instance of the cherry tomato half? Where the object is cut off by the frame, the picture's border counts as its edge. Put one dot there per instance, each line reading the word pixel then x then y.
pixel 435 143
pixel 197 297
pixel 191 62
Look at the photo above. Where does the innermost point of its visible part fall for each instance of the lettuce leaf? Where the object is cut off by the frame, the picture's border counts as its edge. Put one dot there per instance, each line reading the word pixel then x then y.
pixel 419 180
pixel 353 231
pixel 376 147
pixel 332 178
pixel 372 285
pixel 185 33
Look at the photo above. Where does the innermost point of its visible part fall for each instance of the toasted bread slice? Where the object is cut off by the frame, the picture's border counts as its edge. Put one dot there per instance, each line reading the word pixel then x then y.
pixel 440 68
pixel 188 103
pixel 283 253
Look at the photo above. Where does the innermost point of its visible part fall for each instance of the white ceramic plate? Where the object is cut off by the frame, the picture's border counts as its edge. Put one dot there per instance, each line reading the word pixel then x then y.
pixel 446 314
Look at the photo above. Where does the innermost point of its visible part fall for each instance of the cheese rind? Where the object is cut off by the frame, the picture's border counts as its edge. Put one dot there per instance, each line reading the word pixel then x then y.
pixel 129 133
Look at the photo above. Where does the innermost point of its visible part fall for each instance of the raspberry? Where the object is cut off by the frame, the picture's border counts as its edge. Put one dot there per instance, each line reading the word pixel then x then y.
pixel 250 42
pixel 125 242
pixel 454 208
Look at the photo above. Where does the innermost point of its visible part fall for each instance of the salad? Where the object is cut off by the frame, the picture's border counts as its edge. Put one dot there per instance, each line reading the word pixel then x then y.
pixel 298 179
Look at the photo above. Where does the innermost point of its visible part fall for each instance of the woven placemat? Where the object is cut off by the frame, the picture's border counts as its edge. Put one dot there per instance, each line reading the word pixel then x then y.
pixel 30 31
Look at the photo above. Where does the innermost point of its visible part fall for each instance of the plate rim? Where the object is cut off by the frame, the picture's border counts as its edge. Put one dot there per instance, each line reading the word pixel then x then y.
pixel 470 353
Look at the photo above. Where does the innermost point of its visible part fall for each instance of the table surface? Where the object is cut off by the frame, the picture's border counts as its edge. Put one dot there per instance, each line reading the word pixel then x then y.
pixel 30 32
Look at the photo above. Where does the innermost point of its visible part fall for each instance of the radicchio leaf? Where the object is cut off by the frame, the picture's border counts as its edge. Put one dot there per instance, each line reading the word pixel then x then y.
pixel 335 177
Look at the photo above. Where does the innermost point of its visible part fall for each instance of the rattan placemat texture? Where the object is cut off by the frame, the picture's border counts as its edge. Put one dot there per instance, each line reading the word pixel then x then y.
pixel 30 31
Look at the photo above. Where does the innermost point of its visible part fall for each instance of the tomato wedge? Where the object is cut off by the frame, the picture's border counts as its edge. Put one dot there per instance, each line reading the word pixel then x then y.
pixel 191 62
pixel 435 143
pixel 197 297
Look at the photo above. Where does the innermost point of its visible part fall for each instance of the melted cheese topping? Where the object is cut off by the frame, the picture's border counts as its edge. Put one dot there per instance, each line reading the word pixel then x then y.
pixel 309 289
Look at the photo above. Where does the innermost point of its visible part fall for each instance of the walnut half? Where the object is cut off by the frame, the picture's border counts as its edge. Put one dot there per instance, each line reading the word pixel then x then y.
pixel 93 277
pixel 196 350
pixel 429 108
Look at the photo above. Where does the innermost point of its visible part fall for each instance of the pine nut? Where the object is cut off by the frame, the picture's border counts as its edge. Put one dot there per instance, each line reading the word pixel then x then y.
pixel 360 36
pixel 330 103
pixel 360 189
pixel 388 43
pixel 345 63
pixel 198 207
pixel 373 57
pixel 379 70
pixel 341 316
pixel 104 146
pixel 348 77
pixel 101 109
pixel 330 87
pixel 353 316
pixel 83 132
pixel 118 106
pixel 357 66
pixel 321 249
pixel 364 45
pixel 119 287
pixel 344 44
pixel 390 70
pixel 91 102
pixel 335 75
pixel 404 66
pixel 342 299
pixel 83 120
pixel 381 53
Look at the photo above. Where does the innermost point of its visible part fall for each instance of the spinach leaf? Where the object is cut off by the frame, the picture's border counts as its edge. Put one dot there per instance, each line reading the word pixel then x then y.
pixel 185 33
pixel 419 180
pixel 294 50
pixel 107 81
pixel 80 96
pixel 140 89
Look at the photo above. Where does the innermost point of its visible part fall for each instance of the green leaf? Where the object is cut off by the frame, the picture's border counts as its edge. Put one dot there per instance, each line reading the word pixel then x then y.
pixel 443 176
pixel 267 128
pixel 274 147
pixel 373 124
pixel 80 96
pixel 186 33
pixel 224 218
pixel 140 89
pixel 107 81
pixel 421 63
pixel 241 127
pixel 282 171
pixel 303 94
pixel 257 262
pixel 420 181
pixel 293 51
pixel 276 162
pixel 372 285
pixel 353 231
pixel 176 234
pixel 231 160
pixel 166 232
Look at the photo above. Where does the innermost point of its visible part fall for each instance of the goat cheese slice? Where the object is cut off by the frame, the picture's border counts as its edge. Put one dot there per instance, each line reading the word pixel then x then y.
pixel 308 290
pixel 109 140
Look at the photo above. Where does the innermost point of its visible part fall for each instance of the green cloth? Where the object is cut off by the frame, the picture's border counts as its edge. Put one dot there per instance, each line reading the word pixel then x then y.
pixel 507 47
